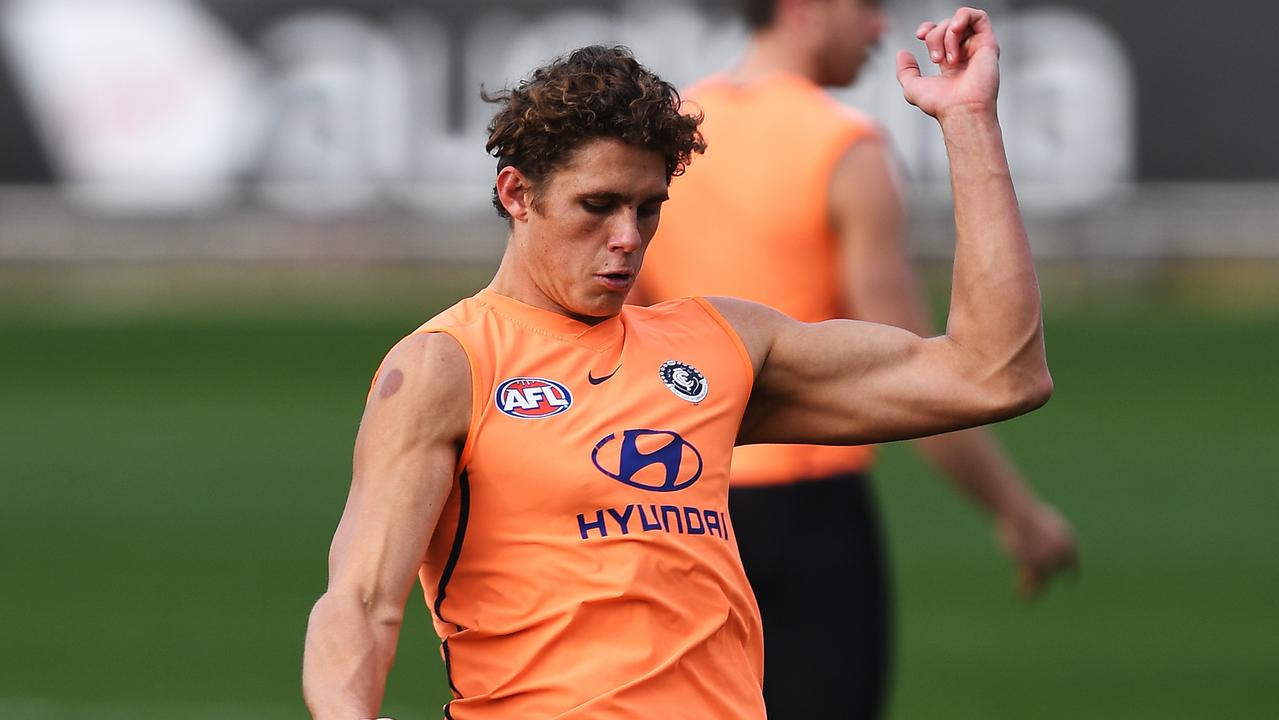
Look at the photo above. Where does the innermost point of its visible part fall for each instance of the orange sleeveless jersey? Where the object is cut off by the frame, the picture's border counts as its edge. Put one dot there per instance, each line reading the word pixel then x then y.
pixel 750 219
pixel 585 566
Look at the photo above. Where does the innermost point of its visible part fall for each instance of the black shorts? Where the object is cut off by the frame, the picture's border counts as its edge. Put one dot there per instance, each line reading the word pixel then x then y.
pixel 815 559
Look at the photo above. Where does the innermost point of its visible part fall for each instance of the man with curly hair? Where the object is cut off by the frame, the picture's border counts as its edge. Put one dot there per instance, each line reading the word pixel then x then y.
pixel 814 226
pixel 553 466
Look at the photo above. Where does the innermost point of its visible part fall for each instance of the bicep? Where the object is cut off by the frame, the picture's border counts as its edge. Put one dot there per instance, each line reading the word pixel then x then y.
pixel 403 469
pixel 851 382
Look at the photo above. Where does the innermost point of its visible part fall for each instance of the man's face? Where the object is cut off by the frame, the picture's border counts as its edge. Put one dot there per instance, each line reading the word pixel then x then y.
pixel 590 223
pixel 850 30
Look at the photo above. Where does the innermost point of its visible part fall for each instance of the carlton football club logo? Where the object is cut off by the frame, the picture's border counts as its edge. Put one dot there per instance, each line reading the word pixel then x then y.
pixel 532 398
pixel 686 381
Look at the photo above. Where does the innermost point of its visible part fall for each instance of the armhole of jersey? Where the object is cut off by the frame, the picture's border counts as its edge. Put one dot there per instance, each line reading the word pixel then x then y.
pixel 477 397
pixel 853 133
pixel 727 327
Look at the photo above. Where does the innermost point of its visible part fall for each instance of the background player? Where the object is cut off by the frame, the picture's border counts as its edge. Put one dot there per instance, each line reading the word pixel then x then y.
pixel 796 205
pixel 478 494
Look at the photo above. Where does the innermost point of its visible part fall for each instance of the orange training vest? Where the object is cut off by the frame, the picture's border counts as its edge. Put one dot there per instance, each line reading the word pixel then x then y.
pixel 584 565
pixel 750 219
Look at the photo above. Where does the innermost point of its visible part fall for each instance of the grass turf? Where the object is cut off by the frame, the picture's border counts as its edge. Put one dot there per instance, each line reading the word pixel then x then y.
pixel 171 478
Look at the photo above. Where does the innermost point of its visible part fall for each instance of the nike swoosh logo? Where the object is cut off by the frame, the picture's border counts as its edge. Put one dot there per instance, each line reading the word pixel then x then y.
pixel 597 380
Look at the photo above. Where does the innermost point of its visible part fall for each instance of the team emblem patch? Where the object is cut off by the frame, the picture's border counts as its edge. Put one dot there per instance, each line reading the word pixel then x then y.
pixel 532 398
pixel 686 381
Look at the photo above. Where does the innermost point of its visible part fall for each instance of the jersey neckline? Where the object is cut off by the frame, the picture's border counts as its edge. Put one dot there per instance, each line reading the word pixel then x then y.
pixel 598 337
pixel 728 82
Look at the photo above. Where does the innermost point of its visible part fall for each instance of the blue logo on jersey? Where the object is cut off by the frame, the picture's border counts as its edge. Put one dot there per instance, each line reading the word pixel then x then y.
pixel 678 463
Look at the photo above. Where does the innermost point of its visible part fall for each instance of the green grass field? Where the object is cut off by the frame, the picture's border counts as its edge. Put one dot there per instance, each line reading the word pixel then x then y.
pixel 173 469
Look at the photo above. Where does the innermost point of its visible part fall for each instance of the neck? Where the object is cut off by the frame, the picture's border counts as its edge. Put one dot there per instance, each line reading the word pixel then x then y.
pixel 513 282
pixel 771 52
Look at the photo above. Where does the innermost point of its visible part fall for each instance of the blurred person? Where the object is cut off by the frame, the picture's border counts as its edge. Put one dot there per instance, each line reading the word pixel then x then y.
pixel 796 205
pixel 552 464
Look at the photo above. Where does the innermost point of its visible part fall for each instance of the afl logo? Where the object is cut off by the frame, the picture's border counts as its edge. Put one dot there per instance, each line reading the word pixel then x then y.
pixel 675 463
pixel 532 398
pixel 684 380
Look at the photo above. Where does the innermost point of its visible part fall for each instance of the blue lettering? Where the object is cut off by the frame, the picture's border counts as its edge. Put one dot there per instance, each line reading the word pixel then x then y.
pixel 623 520
pixel 644 523
pixel 691 514
pixel 713 525
pixel 667 511
pixel 586 527
pixel 686 521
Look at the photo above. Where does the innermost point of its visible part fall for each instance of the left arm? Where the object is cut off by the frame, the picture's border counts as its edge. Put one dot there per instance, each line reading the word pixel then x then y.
pixel 853 382
pixel 868 217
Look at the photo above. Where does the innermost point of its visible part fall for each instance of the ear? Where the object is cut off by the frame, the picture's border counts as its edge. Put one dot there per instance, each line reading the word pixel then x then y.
pixel 515 192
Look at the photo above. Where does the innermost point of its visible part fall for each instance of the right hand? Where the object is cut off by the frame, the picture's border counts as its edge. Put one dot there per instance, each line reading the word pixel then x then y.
pixel 964 47
pixel 1041 543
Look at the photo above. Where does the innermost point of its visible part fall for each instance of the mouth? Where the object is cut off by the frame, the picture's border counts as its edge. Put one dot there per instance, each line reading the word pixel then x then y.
pixel 616 280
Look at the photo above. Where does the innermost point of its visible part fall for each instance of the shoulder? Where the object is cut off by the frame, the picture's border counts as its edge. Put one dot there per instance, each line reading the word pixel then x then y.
pixel 746 314
pixel 425 378
pixel 838 133
pixel 865 179
pixel 434 354
pixel 707 319
pixel 864 124
pixel 756 325
pixel 461 314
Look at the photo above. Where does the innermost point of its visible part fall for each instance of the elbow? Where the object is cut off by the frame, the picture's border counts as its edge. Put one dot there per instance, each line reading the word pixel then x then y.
pixel 1021 382
pixel 1038 391
pixel 376 607
pixel 1013 390
pixel 1024 392
pixel 353 606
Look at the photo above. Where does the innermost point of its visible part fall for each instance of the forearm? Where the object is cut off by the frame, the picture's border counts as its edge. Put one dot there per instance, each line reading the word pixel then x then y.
pixel 995 305
pixel 973 461
pixel 348 655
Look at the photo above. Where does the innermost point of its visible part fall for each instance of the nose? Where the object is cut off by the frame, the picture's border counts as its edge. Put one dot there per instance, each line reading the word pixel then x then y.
pixel 625 235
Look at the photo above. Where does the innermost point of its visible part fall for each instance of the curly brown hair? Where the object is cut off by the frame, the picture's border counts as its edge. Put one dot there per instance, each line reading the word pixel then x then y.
pixel 594 92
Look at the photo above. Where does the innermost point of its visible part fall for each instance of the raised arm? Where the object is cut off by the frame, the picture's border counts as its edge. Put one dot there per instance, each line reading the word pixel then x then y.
pixel 880 286
pixel 405 455
pixel 845 381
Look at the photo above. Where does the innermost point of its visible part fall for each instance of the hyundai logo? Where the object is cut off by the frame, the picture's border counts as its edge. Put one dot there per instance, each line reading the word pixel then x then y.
pixel 680 463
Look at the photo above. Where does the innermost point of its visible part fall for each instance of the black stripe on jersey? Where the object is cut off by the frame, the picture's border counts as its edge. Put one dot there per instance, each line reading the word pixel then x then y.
pixel 448 673
pixel 463 514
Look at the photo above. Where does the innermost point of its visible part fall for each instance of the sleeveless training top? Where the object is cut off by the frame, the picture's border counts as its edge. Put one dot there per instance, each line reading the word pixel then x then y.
pixel 584 565
pixel 751 219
